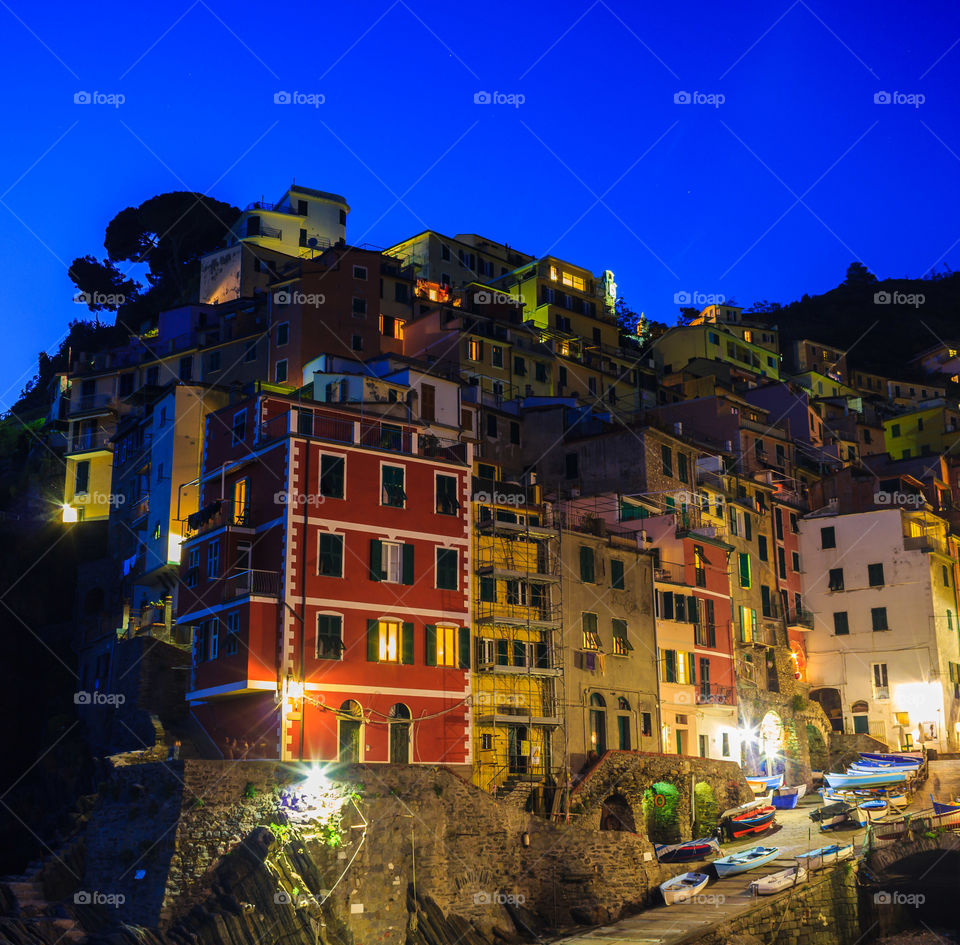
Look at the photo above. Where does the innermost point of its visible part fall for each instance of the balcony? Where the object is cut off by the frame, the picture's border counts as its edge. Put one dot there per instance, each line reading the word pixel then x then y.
pixel 273 208
pixel 711 694
pixel 924 543
pixel 670 574
pixel 496 492
pixel 245 583
pixel 92 403
pixel 800 620
pixel 89 441
pixel 218 514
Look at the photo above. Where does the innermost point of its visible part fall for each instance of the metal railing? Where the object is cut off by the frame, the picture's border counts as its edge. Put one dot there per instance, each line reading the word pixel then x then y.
pixel 712 694
pixel 800 618
pixel 90 440
pixel 90 402
pixel 241 583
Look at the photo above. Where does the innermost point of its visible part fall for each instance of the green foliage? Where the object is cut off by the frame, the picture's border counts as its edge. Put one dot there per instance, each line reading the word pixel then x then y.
pixel 437 789
pixel 330 834
pixel 705 809
pixel 661 812
pixel 250 790
pixel 798 703
pixel 281 833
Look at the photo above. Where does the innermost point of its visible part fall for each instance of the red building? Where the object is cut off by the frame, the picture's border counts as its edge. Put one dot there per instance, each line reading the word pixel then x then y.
pixel 787 508
pixel 326 579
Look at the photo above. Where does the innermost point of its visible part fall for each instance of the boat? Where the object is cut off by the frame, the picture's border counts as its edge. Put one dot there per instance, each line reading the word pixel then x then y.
pixel 824 856
pixel 877 778
pixel 832 815
pixel 858 815
pixel 753 821
pixel 916 756
pixel 690 850
pixel 750 805
pixel 897 799
pixel 683 887
pixel 747 860
pixel 763 782
pixel 939 807
pixel 875 809
pixel 777 882
pixel 863 768
pixel 786 798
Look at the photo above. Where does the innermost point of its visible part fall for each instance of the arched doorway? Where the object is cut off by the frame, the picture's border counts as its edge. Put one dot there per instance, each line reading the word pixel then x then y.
pixel 616 814
pixel 771 742
pixel 598 723
pixel 829 700
pixel 350 730
pixel 861 722
pixel 399 734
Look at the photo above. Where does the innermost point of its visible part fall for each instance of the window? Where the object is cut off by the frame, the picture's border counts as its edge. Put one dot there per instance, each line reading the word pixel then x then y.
pixel 283 333
pixel 682 473
pixel 778 520
pixel 795 561
pixel 591 638
pixel 250 353
pixel 330 555
pixel 835 579
pixel 841 625
pixel 428 401
pixel 475 349
pixel 621 645
pixel 881 687
pixel 447 503
pixel 519 366
pixel 571 466
pixel 240 505
pixel 766 607
pixel 213 559
pixel 514 433
pixel 391 486
pixel 447 646
pixel 699 566
pixel 186 368
pixel 616 574
pixel 895 429
pixel 725 744
pixel 280 371
pixel 744 570
pixel 331 476
pixel 213 361
pixel 213 637
pixel 391 561
pixel 828 538
pixel 329 636
pixel 81 477
pixel 781 562
pixel 359 272
pixel 496 356
pixel 879 617
pixel 239 427
pixel 540 371
pixel 762 547
pixel 794 525
pixel 359 308
pixel 946 576
pixel 587 565
pixel 447 560
pixel 389 641
pixel 875 575
pixel 153 375
pixel 193 567
pixel 356 342
pixel 646 724
pixel 232 643
pixel 492 425
pixel 666 458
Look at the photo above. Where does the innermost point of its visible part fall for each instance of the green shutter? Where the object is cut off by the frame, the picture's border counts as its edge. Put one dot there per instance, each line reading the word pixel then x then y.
pixel 406 647
pixel 407 577
pixel 464 639
pixel 431 644
pixel 691 670
pixel 376 560
pixel 373 641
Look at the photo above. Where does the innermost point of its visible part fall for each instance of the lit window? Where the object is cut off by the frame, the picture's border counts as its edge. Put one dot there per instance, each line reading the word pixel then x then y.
pixel 621 645
pixel 591 639
pixel 391 486
pixel 389 641
pixel 448 652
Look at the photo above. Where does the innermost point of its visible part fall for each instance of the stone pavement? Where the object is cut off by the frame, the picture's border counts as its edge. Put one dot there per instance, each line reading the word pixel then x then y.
pixel 722 900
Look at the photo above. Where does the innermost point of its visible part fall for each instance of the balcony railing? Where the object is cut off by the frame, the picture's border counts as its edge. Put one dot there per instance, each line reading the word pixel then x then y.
pixel 215 515
pixel 89 440
pixel 88 402
pixel 800 618
pixel 242 583
pixel 924 543
pixel 274 208
pixel 669 573
pixel 712 694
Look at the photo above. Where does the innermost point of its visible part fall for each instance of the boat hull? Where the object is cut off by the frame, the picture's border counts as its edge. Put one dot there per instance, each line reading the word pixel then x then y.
pixel 865 779
pixel 785 801
pixel 777 882
pixel 685 852
pixel 683 888
pixel 825 856
pixel 743 862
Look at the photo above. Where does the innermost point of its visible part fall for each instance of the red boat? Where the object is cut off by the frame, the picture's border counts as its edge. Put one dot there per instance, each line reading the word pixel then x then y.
pixel 752 821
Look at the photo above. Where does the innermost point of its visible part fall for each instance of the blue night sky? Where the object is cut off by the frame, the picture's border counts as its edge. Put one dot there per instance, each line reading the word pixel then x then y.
pixel 769 195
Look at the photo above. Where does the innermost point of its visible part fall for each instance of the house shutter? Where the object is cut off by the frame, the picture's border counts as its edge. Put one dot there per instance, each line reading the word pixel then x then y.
pixel 680 607
pixel 692 670
pixel 692 615
pixel 407 577
pixel 463 635
pixel 431 644
pixel 373 641
pixel 667 606
pixel 376 560
pixel 406 647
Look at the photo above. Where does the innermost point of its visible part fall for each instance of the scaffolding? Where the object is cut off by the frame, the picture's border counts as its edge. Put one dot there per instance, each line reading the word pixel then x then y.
pixel 518 683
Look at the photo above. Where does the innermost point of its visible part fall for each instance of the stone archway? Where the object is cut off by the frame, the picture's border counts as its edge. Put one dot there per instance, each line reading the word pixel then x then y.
pixel 617 814
pixel 829 700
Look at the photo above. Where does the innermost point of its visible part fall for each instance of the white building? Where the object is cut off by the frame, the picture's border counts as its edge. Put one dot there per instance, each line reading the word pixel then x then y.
pixel 883 656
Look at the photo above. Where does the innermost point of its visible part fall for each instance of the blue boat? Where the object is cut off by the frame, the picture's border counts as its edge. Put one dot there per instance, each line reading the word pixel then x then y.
pixel 940 808
pixel 877 778
pixel 747 860
pixel 786 798
pixel 764 782
pixel 892 756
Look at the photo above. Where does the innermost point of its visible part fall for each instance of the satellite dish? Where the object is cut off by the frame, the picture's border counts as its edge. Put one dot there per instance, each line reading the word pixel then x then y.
pixel 312 242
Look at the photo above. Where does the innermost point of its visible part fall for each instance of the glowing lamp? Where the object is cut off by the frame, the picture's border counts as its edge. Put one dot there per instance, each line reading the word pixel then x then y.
pixel 69 513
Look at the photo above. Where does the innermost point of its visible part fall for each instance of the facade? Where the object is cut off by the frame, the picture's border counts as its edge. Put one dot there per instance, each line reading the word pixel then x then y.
pixel 808 355
pixel 329 566
pixel 933 428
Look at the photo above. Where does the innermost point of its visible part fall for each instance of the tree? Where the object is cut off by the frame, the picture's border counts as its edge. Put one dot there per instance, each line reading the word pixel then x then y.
pixel 169 232
pixel 857 273
pixel 631 323
pixel 763 307
pixel 687 315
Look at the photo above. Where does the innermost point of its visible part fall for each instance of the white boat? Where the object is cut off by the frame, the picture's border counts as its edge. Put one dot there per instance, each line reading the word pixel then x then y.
pixel 683 887
pixel 745 860
pixel 897 799
pixel 825 856
pixel 776 882
pixel 881 778
pixel 876 809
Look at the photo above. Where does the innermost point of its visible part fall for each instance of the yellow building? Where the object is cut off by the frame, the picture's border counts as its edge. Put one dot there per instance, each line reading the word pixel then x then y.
pixel 929 430
pixel 716 342
pixel 517 697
